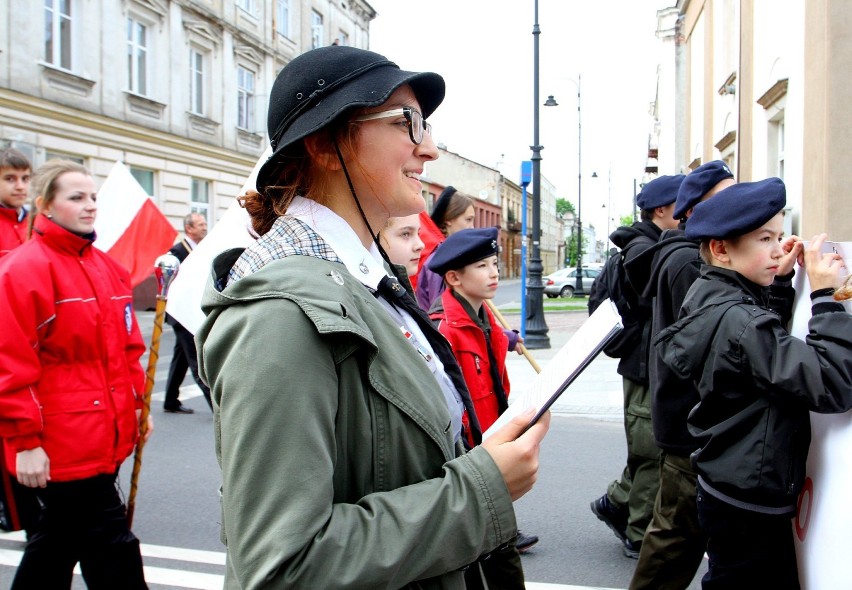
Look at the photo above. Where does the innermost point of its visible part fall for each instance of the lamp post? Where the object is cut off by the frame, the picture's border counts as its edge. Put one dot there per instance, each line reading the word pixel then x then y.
pixel 536 326
pixel 551 102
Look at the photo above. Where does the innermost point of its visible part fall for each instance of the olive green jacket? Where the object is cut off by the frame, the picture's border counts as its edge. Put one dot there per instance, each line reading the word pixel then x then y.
pixel 339 468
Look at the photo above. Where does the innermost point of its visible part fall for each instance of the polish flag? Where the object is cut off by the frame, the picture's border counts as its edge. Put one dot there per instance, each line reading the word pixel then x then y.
pixel 129 226
pixel 231 231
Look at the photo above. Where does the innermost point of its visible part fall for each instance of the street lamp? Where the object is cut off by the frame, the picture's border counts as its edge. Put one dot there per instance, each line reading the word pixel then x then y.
pixel 551 102
pixel 536 326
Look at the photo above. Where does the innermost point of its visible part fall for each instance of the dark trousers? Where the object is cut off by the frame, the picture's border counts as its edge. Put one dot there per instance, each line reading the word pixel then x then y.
pixel 184 357
pixel 636 489
pixel 500 570
pixel 747 549
pixel 81 522
pixel 674 543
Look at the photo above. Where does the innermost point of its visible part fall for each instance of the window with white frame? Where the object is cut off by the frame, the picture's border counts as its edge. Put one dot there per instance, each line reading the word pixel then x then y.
pixel 282 17
pixel 197 84
pixel 137 57
pixel 317 31
pixel 245 98
pixel 57 33
pixel 342 38
pixel 200 198
pixel 782 130
pixel 247 5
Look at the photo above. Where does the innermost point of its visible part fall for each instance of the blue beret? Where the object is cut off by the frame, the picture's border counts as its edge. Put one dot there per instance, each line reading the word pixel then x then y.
pixel 698 183
pixel 659 192
pixel 737 210
pixel 464 247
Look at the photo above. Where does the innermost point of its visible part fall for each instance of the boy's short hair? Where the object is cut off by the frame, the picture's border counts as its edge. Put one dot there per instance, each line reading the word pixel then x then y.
pixel 12 158
pixel 464 247
pixel 737 210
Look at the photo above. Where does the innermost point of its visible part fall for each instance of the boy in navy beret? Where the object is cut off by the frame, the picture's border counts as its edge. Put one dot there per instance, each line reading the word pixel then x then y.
pixel 757 383
pixel 674 544
pixel 469 264
pixel 628 504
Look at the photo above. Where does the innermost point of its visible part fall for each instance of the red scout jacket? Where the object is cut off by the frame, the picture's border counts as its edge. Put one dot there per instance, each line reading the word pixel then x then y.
pixel 13 233
pixel 70 378
pixel 468 343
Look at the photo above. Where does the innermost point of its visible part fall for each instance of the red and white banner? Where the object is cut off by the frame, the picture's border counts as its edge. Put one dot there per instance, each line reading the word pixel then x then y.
pixel 231 231
pixel 824 516
pixel 130 227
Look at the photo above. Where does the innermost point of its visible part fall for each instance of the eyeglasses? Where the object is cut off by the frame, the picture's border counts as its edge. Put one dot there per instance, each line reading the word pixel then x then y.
pixel 417 126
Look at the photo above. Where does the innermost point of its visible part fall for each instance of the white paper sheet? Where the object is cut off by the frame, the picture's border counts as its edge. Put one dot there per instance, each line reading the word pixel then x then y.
pixel 558 374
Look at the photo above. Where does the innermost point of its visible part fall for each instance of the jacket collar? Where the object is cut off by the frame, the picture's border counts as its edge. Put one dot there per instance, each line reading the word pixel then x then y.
pixel 12 215
pixel 60 238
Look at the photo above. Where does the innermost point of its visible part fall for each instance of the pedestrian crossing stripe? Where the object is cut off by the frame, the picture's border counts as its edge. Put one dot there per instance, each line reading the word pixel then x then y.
pixel 188 579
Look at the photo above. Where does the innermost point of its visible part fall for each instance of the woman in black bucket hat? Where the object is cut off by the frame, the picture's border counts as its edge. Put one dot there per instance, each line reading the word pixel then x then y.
pixel 337 407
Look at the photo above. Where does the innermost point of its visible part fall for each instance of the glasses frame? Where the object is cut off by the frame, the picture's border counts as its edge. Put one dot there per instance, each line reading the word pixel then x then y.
pixel 411 114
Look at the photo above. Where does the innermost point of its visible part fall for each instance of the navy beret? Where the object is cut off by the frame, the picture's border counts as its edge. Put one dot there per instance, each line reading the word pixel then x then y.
pixel 464 247
pixel 737 210
pixel 659 192
pixel 440 208
pixel 698 183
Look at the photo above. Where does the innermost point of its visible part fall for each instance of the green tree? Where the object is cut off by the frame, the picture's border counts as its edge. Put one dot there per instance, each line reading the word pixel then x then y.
pixel 626 220
pixel 564 206
pixel 571 248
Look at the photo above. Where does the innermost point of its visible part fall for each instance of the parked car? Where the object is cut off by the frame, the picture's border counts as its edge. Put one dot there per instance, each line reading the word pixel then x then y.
pixel 563 282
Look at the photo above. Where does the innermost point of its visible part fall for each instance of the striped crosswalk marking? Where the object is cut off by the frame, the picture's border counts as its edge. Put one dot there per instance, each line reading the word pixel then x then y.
pixel 178 578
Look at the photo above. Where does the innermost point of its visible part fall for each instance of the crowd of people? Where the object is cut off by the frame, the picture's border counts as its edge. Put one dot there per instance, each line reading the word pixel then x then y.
pixel 361 446
pixel 717 391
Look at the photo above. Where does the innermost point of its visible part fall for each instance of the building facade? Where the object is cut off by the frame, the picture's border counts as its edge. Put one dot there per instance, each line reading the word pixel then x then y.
pixel 175 89
pixel 763 85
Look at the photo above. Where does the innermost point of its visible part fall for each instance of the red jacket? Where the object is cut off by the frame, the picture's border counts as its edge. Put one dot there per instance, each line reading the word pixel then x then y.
pixel 70 378
pixel 13 233
pixel 468 343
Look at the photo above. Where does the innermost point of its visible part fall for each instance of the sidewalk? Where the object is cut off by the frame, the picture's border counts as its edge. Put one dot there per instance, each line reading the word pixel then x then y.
pixel 597 392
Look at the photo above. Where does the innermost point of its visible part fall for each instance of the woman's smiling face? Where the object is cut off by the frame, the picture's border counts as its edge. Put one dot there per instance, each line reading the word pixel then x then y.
pixel 389 164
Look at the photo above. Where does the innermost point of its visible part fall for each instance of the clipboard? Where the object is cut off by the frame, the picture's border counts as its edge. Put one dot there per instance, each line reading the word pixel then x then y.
pixel 571 360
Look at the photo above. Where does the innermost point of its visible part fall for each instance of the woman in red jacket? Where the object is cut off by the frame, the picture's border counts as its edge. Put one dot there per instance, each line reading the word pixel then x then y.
pixel 70 388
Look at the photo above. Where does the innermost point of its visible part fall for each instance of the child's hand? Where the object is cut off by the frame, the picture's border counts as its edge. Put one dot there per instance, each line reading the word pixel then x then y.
pixel 793 252
pixel 824 270
pixel 518 348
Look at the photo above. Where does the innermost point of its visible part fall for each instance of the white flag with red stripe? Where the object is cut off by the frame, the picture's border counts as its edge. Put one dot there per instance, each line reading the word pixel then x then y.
pixel 130 227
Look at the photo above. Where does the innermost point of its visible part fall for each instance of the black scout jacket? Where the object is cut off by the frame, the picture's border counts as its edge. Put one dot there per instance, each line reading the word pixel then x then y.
pixel 757 384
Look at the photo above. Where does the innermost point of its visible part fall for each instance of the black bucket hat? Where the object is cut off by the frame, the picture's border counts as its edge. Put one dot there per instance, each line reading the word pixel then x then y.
pixel 322 85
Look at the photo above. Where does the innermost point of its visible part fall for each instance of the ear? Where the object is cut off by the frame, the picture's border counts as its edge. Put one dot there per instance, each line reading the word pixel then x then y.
pixel 719 251
pixel 39 203
pixel 321 151
pixel 452 278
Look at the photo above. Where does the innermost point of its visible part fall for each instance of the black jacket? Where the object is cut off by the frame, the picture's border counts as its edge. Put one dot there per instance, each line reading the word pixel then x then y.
pixel 633 240
pixel 757 384
pixel 674 264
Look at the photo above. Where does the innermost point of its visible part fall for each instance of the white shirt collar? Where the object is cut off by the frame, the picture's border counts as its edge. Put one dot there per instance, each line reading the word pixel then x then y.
pixel 192 243
pixel 365 265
